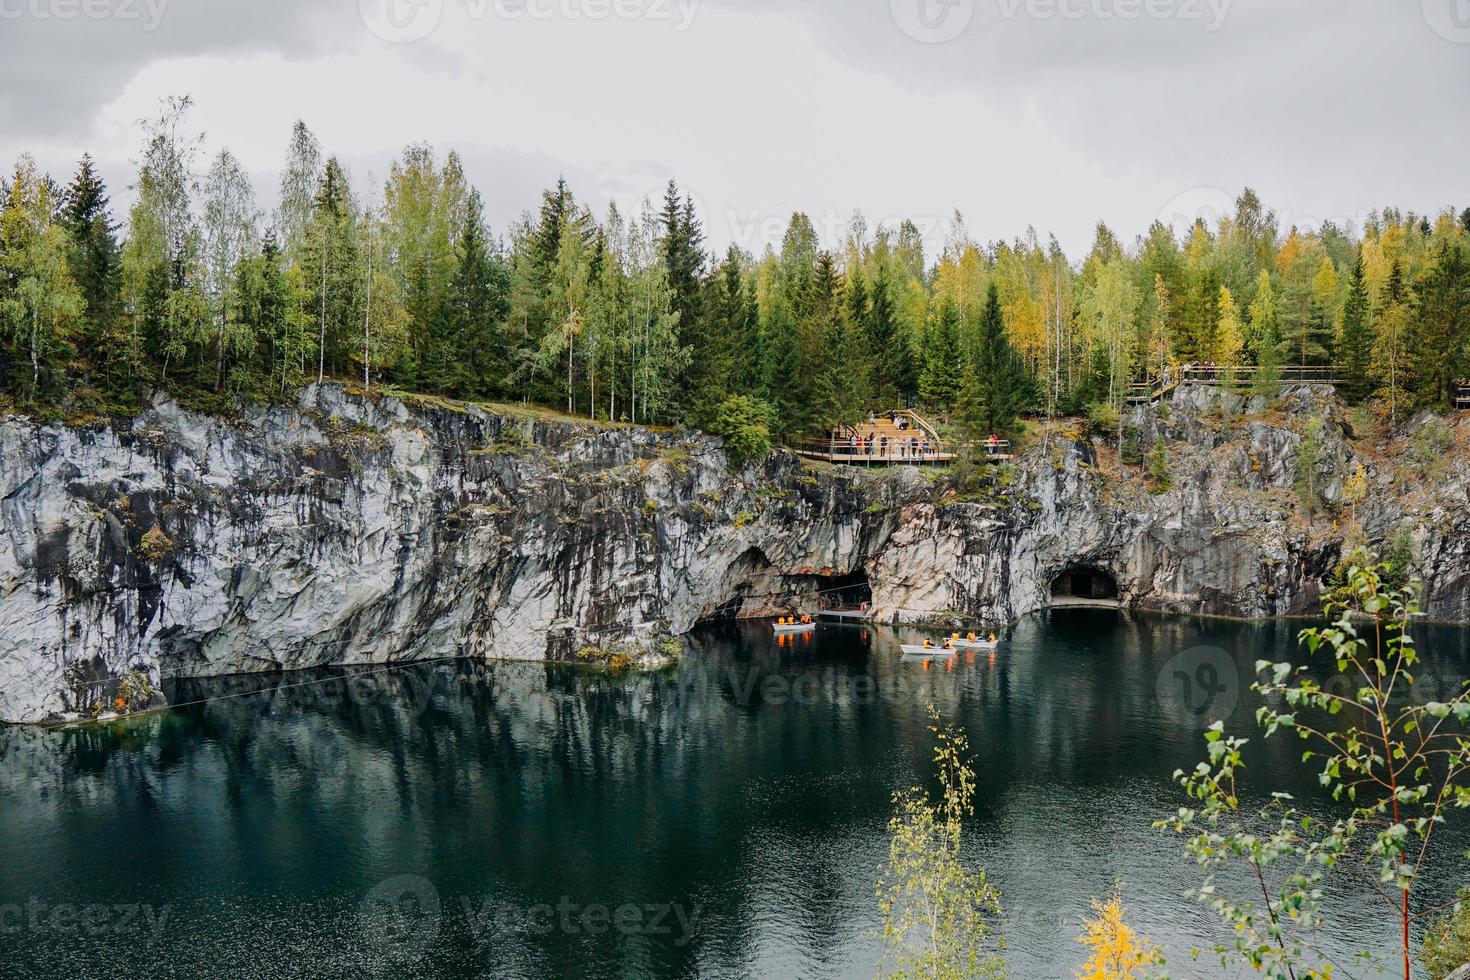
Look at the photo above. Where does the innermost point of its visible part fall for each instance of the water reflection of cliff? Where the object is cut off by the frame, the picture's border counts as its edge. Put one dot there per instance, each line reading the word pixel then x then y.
pixel 752 781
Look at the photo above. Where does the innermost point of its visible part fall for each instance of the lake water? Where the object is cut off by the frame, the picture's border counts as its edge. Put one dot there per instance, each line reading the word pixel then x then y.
pixel 724 818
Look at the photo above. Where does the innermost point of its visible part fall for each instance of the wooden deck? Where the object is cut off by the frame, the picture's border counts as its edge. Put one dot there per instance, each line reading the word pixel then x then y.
pixel 1155 389
pixel 902 438
pixel 847 615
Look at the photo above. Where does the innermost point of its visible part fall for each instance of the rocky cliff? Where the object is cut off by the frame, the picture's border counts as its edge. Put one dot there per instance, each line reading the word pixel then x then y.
pixel 349 529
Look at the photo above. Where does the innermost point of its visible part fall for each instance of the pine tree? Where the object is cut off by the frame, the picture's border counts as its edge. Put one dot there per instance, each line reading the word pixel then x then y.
pixel 1357 337
pixel 883 342
pixel 999 387
pixel 94 259
pixel 330 270
pixel 478 305
pixel 945 365
pixel 1441 313
pixel 684 260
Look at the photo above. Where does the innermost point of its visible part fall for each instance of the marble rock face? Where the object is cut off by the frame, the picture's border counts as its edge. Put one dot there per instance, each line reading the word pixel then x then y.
pixel 357 530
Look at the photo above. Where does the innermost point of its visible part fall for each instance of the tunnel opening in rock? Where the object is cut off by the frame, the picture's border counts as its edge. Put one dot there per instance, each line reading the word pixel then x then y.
pixel 1084 582
pixel 844 592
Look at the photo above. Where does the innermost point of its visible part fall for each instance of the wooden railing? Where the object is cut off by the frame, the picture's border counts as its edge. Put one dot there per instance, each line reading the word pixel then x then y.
pixel 1221 374
pixel 844 450
pixel 1461 397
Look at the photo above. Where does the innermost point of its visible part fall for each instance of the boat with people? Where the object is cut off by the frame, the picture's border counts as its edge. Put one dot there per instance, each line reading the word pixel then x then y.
pixel 794 624
pixel 973 642
pixel 918 650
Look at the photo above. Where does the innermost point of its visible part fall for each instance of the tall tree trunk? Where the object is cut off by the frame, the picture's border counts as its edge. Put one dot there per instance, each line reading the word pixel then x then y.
pixel 35 357
pixel 321 346
pixel 367 330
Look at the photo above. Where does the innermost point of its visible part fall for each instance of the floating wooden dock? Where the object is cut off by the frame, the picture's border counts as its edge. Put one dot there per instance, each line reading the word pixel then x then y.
pixel 847 615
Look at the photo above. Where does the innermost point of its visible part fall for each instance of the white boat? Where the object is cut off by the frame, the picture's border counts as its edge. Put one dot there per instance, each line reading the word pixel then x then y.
pixel 976 644
pixel 915 650
pixel 793 627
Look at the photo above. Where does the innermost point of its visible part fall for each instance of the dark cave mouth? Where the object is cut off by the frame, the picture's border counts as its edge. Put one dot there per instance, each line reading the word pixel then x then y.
pixel 850 591
pixel 1084 582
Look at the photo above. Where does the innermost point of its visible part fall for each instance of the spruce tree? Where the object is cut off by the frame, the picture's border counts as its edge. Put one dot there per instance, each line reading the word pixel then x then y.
pixel 1441 311
pixel 479 301
pixel 945 363
pixel 885 357
pixel 999 387
pixel 95 260
pixel 1357 337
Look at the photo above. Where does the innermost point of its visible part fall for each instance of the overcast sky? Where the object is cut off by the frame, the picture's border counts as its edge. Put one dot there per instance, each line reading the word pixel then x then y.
pixel 1047 113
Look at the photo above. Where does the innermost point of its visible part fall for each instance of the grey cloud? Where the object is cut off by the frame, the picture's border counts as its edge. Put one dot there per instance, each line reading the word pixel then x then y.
pixel 61 60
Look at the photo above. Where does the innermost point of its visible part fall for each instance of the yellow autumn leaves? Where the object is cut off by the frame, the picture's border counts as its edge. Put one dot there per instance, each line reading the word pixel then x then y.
pixel 1116 951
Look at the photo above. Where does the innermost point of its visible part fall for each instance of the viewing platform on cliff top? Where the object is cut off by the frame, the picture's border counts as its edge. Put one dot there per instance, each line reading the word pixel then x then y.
pixel 1210 373
pixel 902 437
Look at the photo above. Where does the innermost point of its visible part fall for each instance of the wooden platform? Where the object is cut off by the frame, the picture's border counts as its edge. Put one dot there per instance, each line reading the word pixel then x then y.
pixel 903 437
pixel 846 615
pixel 1154 389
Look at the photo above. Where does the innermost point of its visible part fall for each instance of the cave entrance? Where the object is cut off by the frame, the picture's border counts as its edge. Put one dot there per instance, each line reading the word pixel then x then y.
pixel 1084 583
pixel 844 593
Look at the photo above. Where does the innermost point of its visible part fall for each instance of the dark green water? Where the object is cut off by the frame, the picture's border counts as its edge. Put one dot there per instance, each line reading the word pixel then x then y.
pixel 722 819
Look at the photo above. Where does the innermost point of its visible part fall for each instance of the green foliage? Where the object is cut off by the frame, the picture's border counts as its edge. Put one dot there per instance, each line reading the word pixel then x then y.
pixel 940 918
pixel 1306 472
pixel 999 387
pixel 1357 337
pixel 745 424
pixel 944 359
pixel 1102 420
pixel 1159 478
pixel 1447 939
pixel 1428 448
pixel 1399 764
pixel 628 318
pixel 1131 450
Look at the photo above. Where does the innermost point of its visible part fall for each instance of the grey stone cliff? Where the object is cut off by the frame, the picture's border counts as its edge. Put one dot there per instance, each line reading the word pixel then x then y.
pixel 353 530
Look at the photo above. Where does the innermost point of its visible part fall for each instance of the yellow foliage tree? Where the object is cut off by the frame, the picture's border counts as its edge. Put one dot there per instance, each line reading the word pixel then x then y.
pixel 1229 335
pixel 1118 953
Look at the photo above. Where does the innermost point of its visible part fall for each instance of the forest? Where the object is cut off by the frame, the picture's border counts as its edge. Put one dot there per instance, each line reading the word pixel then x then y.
pixel 201 293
